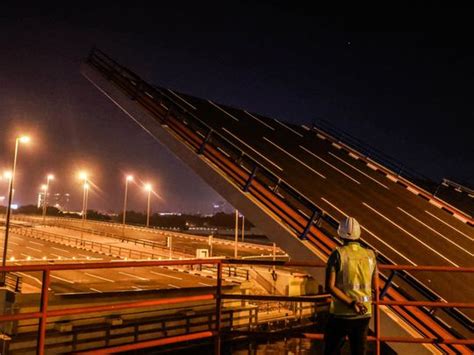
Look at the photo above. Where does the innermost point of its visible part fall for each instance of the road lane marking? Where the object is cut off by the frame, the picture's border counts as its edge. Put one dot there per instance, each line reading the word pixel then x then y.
pixel 98 277
pixel 450 226
pixel 289 128
pixel 165 275
pixel 31 277
pixel 66 251
pixel 360 171
pixel 182 99
pixel 372 234
pixel 31 248
pixel 131 275
pixel 410 234
pixel 372 166
pixel 435 231
pixel 62 279
pixel 242 142
pixel 331 165
pixel 171 285
pixel 352 155
pixel 435 203
pixel 227 113
pixel 58 256
pixel 95 290
pixel 391 177
pixel 259 120
pixel 205 284
pixel 32 242
pixel 295 158
pixel 412 190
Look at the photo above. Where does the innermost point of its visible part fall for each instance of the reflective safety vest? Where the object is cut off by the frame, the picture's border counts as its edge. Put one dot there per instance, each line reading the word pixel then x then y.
pixel 354 278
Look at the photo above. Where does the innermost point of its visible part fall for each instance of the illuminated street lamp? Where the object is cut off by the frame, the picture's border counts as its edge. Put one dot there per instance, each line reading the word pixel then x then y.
pixel 127 180
pixel 85 195
pixel 148 188
pixel 45 189
pixel 11 177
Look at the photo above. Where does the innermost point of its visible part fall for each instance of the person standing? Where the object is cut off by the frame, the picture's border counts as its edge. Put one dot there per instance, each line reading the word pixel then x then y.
pixel 349 277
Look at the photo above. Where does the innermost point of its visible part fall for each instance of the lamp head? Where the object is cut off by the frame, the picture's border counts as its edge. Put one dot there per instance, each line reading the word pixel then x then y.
pixel 24 139
pixel 83 175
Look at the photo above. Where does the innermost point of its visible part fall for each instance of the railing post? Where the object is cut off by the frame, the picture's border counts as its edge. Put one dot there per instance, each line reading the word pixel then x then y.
pixel 387 284
pixel 43 310
pixel 377 315
pixel 310 223
pixel 250 179
pixel 203 144
pixel 217 342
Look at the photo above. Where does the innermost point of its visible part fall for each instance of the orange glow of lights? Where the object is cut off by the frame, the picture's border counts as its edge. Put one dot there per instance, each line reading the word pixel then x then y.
pixel 24 139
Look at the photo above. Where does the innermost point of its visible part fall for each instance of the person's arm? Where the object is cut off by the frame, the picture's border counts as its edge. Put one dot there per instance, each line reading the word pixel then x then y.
pixel 341 295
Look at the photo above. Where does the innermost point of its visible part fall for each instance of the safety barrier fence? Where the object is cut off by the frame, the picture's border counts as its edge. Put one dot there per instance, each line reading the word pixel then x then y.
pixel 63 222
pixel 14 281
pixel 299 214
pixel 373 153
pixel 85 243
pixel 448 344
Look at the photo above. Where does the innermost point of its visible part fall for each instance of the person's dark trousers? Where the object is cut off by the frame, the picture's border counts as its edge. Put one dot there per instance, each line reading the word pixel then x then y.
pixel 338 328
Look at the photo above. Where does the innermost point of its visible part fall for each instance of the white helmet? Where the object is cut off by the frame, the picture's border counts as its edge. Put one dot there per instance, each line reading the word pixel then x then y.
pixel 349 229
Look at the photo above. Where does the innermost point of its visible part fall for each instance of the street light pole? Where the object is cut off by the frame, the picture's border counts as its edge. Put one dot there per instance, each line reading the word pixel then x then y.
pixel 148 188
pixel 236 241
pixel 18 140
pixel 127 180
pixel 46 191
pixel 85 192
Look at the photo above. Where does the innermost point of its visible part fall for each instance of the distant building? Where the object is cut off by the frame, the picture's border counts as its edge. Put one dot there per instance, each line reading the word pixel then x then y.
pixel 218 207
pixel 60 201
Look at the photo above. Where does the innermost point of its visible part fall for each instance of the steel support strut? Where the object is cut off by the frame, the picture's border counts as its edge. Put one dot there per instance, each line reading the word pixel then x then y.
pixel 217 342
pixel 314 216
pixel 43 311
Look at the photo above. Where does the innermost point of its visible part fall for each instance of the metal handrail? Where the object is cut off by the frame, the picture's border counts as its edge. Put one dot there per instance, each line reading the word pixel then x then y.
pixel 142 92
pixel 373 153
pixel 218 296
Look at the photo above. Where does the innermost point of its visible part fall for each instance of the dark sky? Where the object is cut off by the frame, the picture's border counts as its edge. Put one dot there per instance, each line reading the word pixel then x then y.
pixel 403 85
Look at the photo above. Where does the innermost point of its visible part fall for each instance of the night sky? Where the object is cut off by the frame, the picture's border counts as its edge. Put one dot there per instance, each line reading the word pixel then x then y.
pixel 403 85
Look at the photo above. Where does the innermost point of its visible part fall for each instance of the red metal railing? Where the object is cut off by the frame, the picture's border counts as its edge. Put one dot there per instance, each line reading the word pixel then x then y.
pixel 444 339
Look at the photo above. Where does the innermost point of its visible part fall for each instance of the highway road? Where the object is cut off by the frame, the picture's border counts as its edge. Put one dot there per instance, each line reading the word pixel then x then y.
pixel 25 250
pixel 395 221
pixel 182 242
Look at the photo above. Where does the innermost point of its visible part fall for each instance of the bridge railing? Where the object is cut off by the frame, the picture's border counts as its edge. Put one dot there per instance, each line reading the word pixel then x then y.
pixel 373 153
pixel 300 214
pixel 444 340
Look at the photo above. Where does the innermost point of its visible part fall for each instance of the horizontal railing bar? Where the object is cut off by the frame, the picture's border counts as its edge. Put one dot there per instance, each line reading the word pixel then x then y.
pixel 317 298
pixel 107 307
pixel 393 339
pixel 112 307
pixel 150 343
pixel 20 316
pixel 427 304
pixel 110 265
